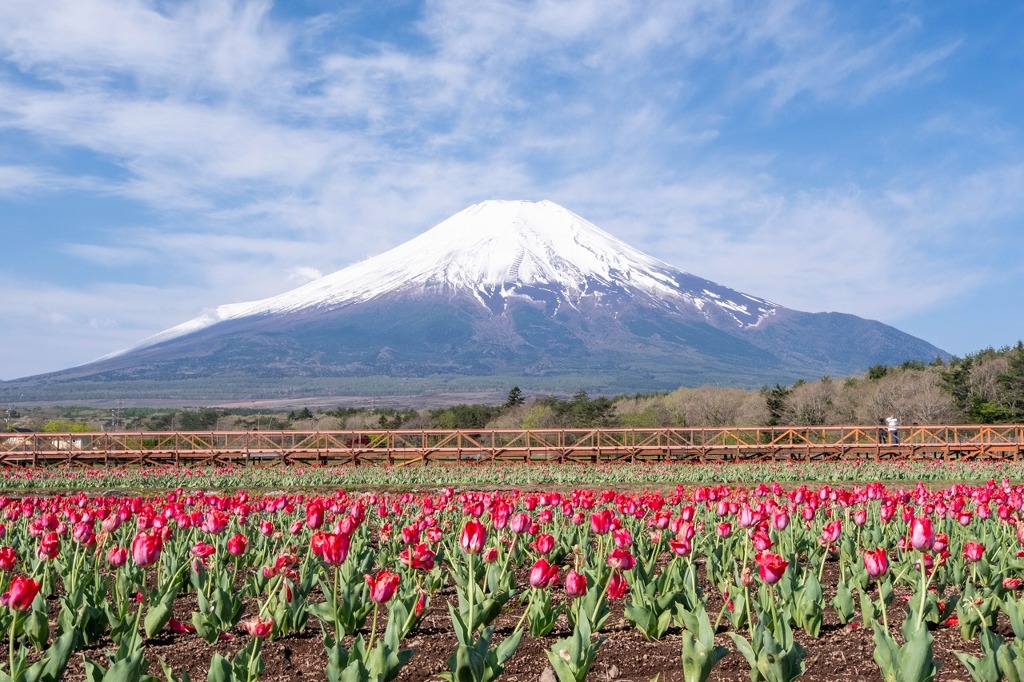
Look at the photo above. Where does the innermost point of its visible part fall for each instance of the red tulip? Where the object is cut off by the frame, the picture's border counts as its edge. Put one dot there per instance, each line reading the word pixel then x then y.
pixel 780 520
pixel 49 546
pixel 266 528
pixel 8 558
pixel 237 544
pixel 922 537
pixel 544 543
pixel 21 593
pixel 201 550
pixel 543 574
pixel 622 538
pixel 490 555
pixel 973 551
pixel 762 540
pixel 876 561
pixel 575 583
pixel 724 530
pixel 419 556
pixel 860 517
pixel 680 547
pixel 334 548
pixel 620 559
pixel 770 566
pixel 473 537
pixel 117 556
pixel 382 585
pixel 601 522
pixel 314 515
pixel 617 586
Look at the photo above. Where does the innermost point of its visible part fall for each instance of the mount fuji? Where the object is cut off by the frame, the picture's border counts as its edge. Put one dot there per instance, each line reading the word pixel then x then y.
pixel 503 292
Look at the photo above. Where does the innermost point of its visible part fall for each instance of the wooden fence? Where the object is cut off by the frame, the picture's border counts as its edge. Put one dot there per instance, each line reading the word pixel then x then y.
pixel 595 446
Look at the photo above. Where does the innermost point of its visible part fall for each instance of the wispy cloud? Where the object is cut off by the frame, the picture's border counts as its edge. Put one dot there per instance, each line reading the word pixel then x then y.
pixel 255 148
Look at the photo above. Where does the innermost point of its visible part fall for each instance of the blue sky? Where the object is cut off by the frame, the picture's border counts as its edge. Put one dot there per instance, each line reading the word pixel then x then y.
pixel 160 158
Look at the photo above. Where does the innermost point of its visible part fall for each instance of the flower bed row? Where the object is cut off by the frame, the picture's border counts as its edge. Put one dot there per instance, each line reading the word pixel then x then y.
pixel 501 474
pixel 106 574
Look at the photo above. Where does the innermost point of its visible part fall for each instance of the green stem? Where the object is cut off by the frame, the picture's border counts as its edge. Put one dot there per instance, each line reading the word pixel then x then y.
pixel 882 607
pixel 338 634
pixel 10 647
pixel 471 587
pixel 925 582
pixel 373 627
pixel 254 656
pixel 270 595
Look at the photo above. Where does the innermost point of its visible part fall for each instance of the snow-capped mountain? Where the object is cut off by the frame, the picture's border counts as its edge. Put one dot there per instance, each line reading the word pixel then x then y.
pixel 498 251
pixel 502 293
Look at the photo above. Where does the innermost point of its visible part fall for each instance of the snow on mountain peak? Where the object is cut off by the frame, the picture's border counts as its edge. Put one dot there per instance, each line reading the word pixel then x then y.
pixel 496 250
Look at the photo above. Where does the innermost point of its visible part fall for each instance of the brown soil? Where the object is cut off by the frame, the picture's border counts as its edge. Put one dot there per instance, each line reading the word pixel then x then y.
pixel 841 653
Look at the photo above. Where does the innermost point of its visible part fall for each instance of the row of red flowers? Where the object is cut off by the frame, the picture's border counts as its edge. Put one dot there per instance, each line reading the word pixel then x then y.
pixel 273 565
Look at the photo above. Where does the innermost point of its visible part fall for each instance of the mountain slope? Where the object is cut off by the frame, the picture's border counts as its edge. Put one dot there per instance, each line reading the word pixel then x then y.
pixel 505 289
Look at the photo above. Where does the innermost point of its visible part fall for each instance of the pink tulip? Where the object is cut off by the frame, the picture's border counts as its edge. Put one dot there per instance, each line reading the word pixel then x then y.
pixel 830 532
pixel 973 551
pixel 520 523
pixel 620 559
pixel 201 550
pixel 146 548
pixel 876 561
pixel 762 540
pixel 770 566
pixel 680 547
pixel 922 537
pixel 622 538
pixel 117 556
pixel 256 627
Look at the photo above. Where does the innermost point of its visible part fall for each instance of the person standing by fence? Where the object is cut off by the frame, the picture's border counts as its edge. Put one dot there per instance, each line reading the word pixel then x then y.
pixel 892 424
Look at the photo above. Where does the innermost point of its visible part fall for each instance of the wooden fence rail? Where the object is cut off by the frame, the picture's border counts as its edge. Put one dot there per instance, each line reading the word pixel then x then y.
pixel 597 446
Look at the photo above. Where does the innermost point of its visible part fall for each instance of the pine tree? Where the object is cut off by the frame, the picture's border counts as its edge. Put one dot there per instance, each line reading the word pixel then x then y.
pixel 515 397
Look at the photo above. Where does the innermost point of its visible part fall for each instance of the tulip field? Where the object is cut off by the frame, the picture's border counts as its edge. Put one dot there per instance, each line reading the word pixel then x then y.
pixel 271 574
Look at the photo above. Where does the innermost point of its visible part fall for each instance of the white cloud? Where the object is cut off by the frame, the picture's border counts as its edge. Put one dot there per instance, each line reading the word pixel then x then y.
pixel 267 151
